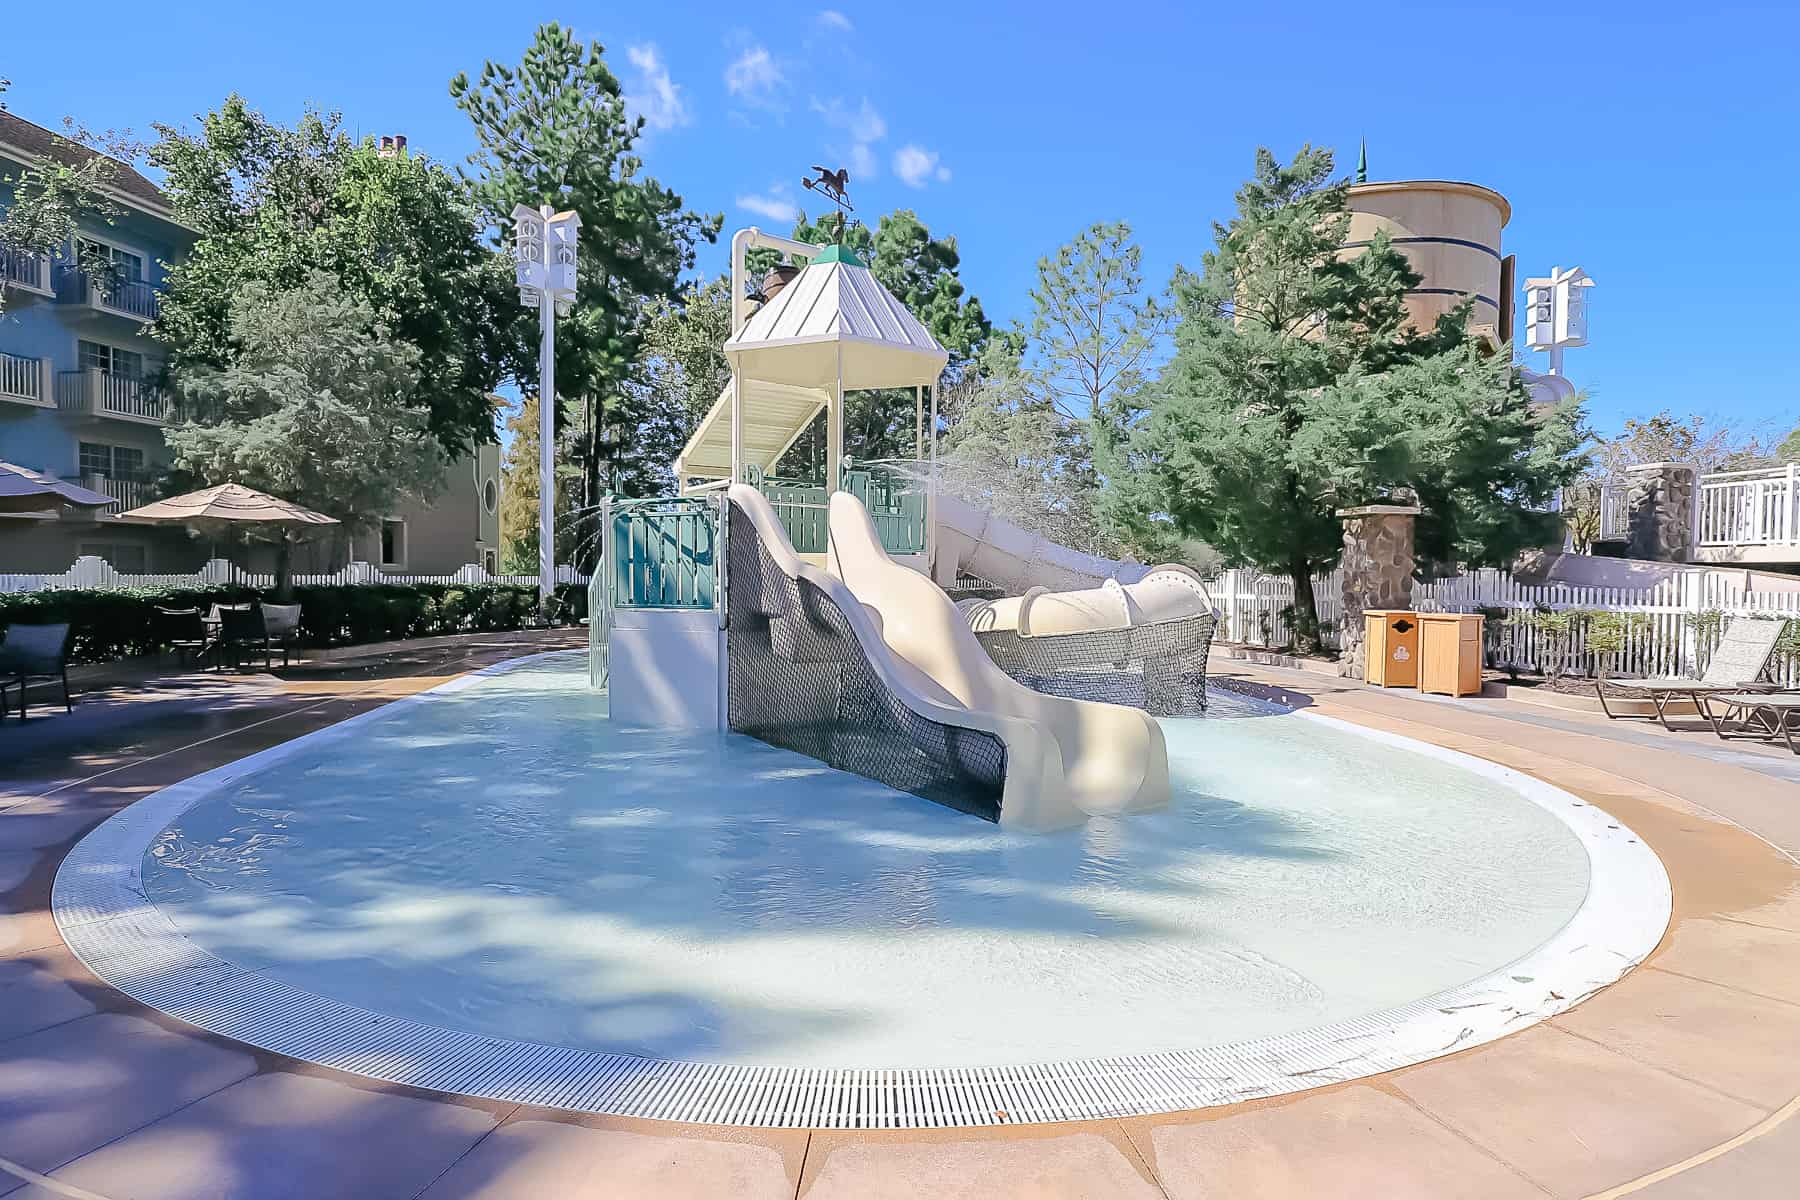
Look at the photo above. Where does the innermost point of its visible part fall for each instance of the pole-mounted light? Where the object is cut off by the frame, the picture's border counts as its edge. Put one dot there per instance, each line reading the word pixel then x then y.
pixel 544 259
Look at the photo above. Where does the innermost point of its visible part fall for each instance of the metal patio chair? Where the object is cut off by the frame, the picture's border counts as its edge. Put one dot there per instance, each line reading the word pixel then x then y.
pixel 30 652
pixel 1736 665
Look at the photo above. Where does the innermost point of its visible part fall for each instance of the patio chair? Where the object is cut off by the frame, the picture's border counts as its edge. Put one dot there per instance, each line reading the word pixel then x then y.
pixel 182 630
pixel 1736 665
pixel 281 625
pixel 30 652
pixel 241 635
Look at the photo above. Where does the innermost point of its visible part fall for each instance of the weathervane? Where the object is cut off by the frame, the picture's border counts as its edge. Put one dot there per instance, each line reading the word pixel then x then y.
pixel 835 185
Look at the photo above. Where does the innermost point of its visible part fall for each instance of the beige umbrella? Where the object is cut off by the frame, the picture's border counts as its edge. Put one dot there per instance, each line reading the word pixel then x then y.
pixel 234 506
pixel 229 504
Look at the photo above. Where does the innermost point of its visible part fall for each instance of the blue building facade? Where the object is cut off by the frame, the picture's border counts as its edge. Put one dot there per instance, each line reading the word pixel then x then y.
pixel 78 369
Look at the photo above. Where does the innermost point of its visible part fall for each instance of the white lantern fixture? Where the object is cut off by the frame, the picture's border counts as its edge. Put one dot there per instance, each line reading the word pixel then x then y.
pixel 544 263
pixel 1556 313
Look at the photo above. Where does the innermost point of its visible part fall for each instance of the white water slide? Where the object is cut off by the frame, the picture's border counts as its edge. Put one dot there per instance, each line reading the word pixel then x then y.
pixel 1066 759
pixel 1054 589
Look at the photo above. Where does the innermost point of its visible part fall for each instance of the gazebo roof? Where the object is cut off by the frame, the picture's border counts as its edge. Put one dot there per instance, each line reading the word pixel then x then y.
pixel 836 316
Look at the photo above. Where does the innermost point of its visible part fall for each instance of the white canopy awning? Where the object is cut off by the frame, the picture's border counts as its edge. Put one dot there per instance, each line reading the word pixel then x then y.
pixel 775 415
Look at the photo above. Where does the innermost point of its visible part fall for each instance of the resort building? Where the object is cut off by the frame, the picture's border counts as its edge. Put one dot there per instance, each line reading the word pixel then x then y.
pixel 79 400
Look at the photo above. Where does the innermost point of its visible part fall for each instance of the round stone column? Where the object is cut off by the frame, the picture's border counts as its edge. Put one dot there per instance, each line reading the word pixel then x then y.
pixel 1376 570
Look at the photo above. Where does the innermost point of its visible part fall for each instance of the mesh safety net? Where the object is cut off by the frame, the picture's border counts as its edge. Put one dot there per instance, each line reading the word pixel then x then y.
pixel 800 680
pixel 1160 668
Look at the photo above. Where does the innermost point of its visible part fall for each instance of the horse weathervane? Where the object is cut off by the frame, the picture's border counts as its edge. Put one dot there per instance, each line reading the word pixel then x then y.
pixel 835 185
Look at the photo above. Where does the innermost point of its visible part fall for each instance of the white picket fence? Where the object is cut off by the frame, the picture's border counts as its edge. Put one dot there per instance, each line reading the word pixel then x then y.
pixel 1671 641
pixel 92 572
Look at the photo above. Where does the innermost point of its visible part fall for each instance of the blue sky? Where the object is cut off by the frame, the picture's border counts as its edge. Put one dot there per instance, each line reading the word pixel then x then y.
pixel 1649 142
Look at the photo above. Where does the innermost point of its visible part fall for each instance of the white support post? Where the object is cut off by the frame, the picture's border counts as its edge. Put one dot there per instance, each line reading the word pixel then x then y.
pixel 918 422
pixel 931 494
pixel 834 430
pixel 547 451
pixel 737 427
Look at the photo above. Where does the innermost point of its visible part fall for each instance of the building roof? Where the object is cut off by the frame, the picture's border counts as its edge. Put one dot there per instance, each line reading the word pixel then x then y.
pixel 33 141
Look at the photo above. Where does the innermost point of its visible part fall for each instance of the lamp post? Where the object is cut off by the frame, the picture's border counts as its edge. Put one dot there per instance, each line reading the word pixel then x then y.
pixel 544 257
pixel 1556 313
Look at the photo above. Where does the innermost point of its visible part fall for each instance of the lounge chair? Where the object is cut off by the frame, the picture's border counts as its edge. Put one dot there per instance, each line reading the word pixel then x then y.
pixel 1763 715
pixel 1736 665
pixel 182 630
pixel 281 626
pixel 30 652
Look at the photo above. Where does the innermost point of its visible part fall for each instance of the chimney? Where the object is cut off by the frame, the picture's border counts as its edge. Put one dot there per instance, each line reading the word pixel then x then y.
pixel 392 145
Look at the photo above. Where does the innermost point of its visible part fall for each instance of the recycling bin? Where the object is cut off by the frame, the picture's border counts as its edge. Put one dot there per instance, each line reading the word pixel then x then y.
pixel 1450 650
pixel 1392 647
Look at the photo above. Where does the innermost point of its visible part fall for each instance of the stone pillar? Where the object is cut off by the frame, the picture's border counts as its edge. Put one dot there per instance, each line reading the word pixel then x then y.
pixel 1377 572
pixel 1660 500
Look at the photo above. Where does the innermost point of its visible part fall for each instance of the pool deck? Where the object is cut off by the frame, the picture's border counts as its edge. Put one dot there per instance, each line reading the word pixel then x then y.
pixel 1683 1080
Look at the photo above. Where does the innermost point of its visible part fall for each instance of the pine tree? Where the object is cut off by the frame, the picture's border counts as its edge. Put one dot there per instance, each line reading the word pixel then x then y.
pixel 1298 387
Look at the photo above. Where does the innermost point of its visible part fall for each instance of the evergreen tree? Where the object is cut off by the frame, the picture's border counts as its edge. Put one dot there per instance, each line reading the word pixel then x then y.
pixel 1298 387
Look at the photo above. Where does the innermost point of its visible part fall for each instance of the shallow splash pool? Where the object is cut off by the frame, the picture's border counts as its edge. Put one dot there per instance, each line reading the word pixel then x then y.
pixel 499 865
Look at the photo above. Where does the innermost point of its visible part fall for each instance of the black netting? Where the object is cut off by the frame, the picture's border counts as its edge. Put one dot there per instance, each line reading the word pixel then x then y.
pixel 1160 668
pixel 799 680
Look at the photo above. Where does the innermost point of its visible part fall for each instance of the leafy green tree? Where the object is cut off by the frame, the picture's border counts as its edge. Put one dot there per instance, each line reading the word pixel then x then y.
pixel 554 130
pixel 1298 387
pixel 273 205
pixel 1789 449
pixel 315 407
pixel 680 372
pixel 519 501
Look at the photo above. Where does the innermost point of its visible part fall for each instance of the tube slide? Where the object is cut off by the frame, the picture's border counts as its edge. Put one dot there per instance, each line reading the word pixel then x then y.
pixel 1113 759
pixel 975 541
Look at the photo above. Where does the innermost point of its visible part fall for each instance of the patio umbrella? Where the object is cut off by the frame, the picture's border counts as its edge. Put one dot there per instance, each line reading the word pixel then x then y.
pixel 232 506
pixel 229 505
pixel 23 490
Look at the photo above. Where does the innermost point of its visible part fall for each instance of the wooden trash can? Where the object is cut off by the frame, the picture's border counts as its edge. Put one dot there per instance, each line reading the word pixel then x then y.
pixel 1392 647
pixel 1450 653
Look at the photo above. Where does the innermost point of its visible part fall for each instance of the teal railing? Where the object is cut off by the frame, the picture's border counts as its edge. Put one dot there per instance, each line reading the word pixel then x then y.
pixel 663 553
pixel 894 496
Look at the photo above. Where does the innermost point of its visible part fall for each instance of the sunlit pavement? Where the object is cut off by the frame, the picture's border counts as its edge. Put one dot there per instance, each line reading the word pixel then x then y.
pixel 1676 1082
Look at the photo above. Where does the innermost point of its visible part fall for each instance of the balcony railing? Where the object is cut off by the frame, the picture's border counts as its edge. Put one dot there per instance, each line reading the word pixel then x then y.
pixel 24 380
pixel 130 491
pixel 1749 508
pixel 133 298
pixel 95 393
pixel 1615 512
pixel 22 270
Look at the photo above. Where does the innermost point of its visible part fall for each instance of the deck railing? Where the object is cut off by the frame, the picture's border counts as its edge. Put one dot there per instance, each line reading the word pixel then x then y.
pixel 98 393
pixel 134 298
pixel 1749 508
pixel 662 553
pixel 23 379
pixel 22 269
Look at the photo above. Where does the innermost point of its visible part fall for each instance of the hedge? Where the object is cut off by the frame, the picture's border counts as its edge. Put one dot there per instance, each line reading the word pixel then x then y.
pixel 118 622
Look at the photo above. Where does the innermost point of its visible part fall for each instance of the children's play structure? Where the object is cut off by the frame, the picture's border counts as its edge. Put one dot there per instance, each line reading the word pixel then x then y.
pixel 812 614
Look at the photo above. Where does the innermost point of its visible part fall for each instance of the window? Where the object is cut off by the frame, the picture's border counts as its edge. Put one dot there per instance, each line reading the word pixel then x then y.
pixel 393 543
pixel 110 358
pixel 127 267
pixel 490 496
pixel 114 462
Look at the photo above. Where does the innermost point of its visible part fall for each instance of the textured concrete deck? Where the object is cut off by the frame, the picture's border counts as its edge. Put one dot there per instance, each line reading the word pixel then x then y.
pixel 1677 1082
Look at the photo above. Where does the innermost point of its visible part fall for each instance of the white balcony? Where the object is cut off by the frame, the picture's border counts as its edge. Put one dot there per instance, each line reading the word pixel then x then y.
pixel 130 492
pixel 93 394
pixel 25 381
pixel 132 299
pixel 24 275
pixel 1743 510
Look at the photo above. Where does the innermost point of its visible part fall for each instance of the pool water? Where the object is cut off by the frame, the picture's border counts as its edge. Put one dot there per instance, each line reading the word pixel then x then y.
pixel 504 861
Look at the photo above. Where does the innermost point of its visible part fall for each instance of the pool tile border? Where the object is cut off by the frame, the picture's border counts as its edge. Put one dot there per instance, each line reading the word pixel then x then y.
pixel 111 925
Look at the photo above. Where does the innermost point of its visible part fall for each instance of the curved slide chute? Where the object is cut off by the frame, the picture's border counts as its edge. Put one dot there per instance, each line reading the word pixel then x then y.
pixel 1113 758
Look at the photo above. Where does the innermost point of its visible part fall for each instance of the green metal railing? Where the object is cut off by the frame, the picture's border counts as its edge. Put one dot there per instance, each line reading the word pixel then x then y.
pixel 662 553
pixel 894 494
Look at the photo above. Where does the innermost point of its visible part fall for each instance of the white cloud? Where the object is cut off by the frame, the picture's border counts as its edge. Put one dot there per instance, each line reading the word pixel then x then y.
pixel 754 74
pixel 831 18
pixel 917 166
pixel 773 204
pixel 652 94
pixel 864 127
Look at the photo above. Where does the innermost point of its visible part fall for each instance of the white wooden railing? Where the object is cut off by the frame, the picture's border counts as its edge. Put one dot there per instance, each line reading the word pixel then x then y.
pixel 92 572
pixel 1615 512
pixel 1749 508
pixel 96 393
pixel 23 379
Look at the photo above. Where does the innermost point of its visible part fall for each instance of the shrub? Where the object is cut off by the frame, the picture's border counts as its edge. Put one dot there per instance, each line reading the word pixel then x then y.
pixel 118 622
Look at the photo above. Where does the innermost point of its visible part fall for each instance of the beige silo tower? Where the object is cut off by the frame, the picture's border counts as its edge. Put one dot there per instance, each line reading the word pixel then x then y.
pixel 1450 232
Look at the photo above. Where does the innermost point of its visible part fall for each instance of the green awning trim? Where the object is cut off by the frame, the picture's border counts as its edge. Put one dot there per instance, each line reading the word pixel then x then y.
pixel 839 254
